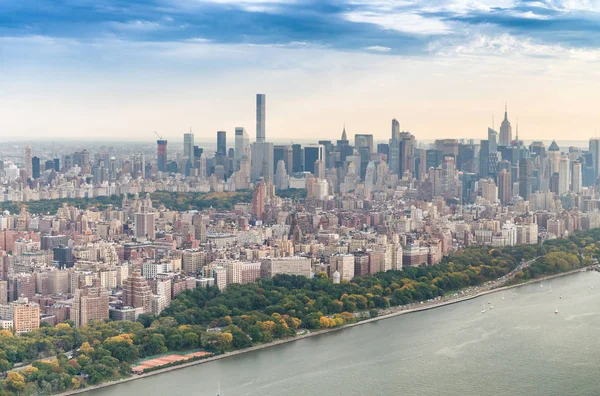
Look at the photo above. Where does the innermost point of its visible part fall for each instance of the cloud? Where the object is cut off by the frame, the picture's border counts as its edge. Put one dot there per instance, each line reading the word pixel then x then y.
pixel 378 48
pixel 406 27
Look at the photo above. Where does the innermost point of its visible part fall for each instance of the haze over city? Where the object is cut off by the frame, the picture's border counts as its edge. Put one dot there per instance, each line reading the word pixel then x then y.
pixel 118 71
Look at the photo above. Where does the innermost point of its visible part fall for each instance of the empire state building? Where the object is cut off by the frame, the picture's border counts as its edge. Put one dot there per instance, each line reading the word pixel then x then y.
pixel 505 131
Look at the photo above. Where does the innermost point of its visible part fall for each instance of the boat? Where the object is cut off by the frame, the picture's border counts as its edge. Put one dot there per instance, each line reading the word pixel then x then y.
pixel 491 307
pixel 556 311
pixel 542 284
pixel 502 295
pixel 561 297
pixel 550 289
pixel 219 388
pixel 483 309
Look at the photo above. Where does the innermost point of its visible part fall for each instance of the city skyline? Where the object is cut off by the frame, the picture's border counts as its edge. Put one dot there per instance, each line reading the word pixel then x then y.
pixel 442 68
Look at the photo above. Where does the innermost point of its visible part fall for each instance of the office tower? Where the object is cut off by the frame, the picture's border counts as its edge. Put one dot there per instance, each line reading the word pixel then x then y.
pixel 188 146
pixel 408 144
pixel 281 177
pixel 35 167
pixel 279 154
pixel 222 143
pixel 364 140
pixel 27 160
pixel 63 256
pixel 577 184
pixel 394 147
pixel 505 130
pixel 90 303
pixel 242 144
pixel 505 187
pixel 161 155
pixel 261 113
pixel 262 161
pixel 525 178
pixel 595 151
pixel 49 165
pixel 312 153
pixel 563 175
pixel 492 140
pixel 297 158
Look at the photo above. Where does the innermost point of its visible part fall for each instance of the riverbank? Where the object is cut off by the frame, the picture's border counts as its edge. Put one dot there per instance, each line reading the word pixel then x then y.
pixel 393 312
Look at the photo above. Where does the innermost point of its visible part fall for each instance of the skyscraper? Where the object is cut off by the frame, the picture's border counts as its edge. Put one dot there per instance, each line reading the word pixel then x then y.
pixel 524 178
pixel 577 184
pixel 27 158
pixel 221 143
pixel 505 130
pixel 504 187
pixel 35 167
pixel 563 175
pixel 188 145
pixel 261 103
pixel 312 153
pixel 242 144
pixel 394 147
pixel 595 151
pixel 262 154
pixel 161 155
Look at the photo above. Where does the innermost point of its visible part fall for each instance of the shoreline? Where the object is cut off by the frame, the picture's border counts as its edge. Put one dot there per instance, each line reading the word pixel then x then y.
pixel 392 314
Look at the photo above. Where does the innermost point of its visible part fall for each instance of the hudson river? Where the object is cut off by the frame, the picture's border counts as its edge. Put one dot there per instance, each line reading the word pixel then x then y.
pixel 520 347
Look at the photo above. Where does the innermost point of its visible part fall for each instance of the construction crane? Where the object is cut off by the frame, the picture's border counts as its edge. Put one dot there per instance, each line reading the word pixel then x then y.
pixel 156 133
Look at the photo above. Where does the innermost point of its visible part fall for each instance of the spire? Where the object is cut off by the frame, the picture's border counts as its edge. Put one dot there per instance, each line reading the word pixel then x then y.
pixel 506 111
pixel 517 131
pixel 344 135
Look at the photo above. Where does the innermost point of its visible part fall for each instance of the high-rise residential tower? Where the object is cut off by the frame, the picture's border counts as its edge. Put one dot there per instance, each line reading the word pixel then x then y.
pixel 161 155
pixel 28 164
pixel 261 103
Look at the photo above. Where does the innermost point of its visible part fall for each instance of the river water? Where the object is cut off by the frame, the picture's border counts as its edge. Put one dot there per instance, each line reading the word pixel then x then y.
pixel 520 347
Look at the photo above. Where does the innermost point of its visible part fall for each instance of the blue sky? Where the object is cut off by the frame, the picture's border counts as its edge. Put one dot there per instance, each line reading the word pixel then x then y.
pixel 120 68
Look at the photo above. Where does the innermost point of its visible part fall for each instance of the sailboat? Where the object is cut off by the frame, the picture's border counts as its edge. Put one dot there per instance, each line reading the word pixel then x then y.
pixel 550 288
pixel 561 297
pixel 483 309
pixel 542 284
pixel 556 311
pixel 219 388
pixel 491 307
pixel 503 295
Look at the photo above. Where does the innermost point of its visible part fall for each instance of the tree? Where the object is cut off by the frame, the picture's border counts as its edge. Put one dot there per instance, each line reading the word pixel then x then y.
pixel 15 381
pixel 240 340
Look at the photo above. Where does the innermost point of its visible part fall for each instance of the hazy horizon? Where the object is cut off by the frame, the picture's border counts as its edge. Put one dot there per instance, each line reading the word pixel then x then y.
pixel 118 72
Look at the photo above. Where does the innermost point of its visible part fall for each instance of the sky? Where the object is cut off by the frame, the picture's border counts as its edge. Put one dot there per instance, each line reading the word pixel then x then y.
pixel 120 70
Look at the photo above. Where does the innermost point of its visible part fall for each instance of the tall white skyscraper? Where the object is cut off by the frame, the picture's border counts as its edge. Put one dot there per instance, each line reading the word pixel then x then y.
pixel 563 175
pixel 261 113
pixel 242 144
pixel 188 145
